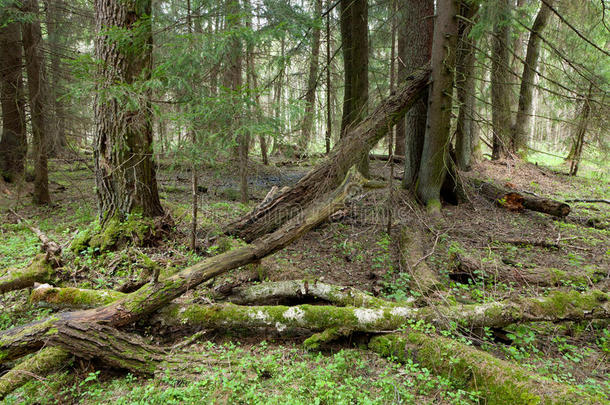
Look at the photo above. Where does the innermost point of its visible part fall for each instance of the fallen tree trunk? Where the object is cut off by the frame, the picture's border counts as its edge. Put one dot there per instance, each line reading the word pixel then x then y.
pixel 18 341
pixel 385 158
pixel 517 201
pixel 556 307
pixel 498 381
pixel 464 268
pixel 40 270
pixel 329 173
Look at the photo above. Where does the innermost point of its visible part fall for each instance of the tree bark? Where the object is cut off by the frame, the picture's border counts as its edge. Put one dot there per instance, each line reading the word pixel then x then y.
pixel 35 67
pixel 500 88
pixel 13 145
pixel 328 174
pixel 433 164
pixel 355 44
pixel 521 128
pixel 465 85
pixel 125 170
pixel 414 49
pixel 312 81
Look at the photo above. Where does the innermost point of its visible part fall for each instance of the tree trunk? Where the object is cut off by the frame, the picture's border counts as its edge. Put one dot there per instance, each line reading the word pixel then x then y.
pixel 465 85
pixel 35 67
pixel 328 174
pixel 312 81
pixel 414 49
pixel 57 140
pixel 500 88
pixel 13 145
pixel 355 43
pixel 580 134
pixel 433 165
pixel 328 133
pixel 125 170
pixel 521 129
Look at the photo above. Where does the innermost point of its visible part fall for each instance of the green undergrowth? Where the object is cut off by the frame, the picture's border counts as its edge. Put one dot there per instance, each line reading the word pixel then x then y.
pixel 260 374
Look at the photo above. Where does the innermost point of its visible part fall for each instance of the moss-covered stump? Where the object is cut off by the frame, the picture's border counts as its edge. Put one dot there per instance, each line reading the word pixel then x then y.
pixel 38 271
pixel 46 361
pixel 114 234
pixel 498 381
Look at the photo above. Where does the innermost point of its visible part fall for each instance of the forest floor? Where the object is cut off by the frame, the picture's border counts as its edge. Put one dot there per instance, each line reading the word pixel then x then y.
pixel 353 249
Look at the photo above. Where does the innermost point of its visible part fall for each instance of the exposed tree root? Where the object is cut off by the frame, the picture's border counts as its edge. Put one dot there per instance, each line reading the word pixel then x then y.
pixel 413 259
pixel 517 201
pixel 499 382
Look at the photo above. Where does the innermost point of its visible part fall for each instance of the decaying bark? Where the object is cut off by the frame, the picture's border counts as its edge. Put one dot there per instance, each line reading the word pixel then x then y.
pixel 498 381
pixel 22 340
pixel 328 174
pixel 516 201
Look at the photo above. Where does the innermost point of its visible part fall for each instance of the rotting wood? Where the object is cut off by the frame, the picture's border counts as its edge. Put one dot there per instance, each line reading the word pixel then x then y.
pixel 517 201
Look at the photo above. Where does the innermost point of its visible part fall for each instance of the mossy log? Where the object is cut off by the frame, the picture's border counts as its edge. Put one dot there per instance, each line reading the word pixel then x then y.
pixel 385 158
pixel 464 268
pixel 518 201
pixel 498 381
pixel 379 315
pixel 330 172
pixel 131 307
pixel 39 270
pixel 46 361
pixel 301 290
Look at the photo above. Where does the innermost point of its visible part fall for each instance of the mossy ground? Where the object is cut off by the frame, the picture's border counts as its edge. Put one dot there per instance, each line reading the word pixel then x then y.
pixel 353 250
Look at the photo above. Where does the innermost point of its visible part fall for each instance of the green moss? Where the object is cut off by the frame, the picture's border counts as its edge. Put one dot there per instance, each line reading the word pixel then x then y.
pixel 135 229
pixel 498 381
pixel 433 207
pixel 80 243
pixel 328 335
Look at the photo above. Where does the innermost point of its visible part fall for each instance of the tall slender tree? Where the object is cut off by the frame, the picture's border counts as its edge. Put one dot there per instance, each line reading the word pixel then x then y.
pixel 465 86
pixel 38 99
pixel 414 50
pixel 13 144
pixel 433 165
pixel 500 87
pixel 125 170
pixel 355 43
pixel 312 80
pixel 523 120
